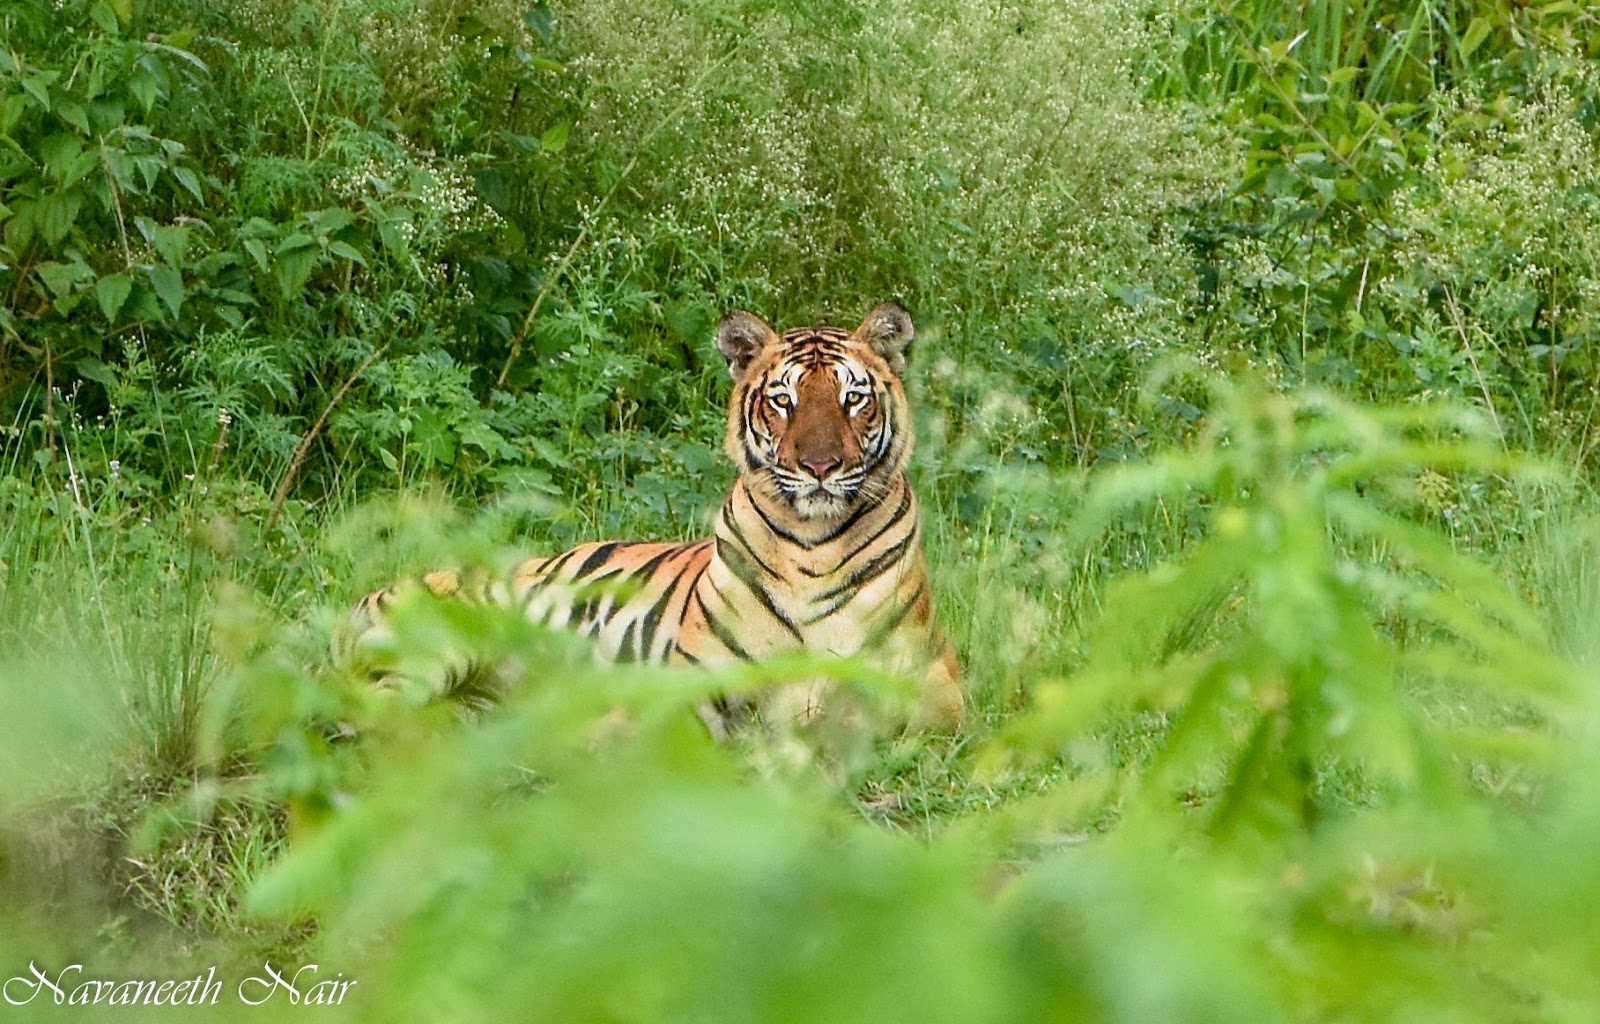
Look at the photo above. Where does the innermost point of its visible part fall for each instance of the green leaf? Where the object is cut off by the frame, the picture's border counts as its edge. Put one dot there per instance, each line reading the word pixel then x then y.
pixel 38 86
pixel 171 241
pixel 189 180
pixel 58 152
pixel 86 161
pixel 389 232
pixel 432 439
pixel 149 167
pixel 168 285
pixel 104 16
pixel 144 88
pixel 184 55
pixel 538 20
pixel 347 251
pixel 72 112
pixel 293 268
pixel 298 240
pixel 485 437
pixel 1477 32
pixel 213 263
pixel 554 140
pixel 258 251
pixel 120 168
pixel 19 227
pixel 494 185
pixel 97 371
pixel 63 278
pixel 111 292
pixel 57 213
pixel 526 143
pixel 233 295
pixel 329 221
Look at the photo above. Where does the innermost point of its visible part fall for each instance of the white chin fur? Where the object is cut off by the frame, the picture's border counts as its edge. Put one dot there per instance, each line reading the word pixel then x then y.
pixel 819 504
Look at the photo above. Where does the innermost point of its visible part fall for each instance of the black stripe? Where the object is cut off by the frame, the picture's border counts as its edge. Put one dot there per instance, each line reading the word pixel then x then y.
pixel 625 654
pixel 818 352
pixel 753 460
pixel 855 517
pixel 881 631
pixel 745 572
pixel 618 573
pixel 720 597
pixel 596 559
pixel 644 571
pixel 652 618
pixel 723 634
pixel 870 570
pixel 524 600
pixel 878 440
pixel 691 659
pixel 828 333
pixel 559 561
pixel 738 534
pixel 777 530
pixel 582 611
pixel 603 603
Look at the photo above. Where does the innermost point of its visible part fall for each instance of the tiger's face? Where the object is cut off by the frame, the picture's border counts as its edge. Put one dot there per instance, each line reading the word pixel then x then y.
pixel 818 421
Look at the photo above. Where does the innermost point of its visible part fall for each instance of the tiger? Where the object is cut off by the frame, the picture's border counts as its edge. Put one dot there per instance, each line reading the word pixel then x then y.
pixel 818 546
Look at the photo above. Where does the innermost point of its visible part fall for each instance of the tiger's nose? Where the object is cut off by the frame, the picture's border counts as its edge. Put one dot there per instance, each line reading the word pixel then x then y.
pixel 820 468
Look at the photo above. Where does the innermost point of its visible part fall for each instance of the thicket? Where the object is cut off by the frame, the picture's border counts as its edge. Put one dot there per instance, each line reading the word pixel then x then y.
pixel 1257 399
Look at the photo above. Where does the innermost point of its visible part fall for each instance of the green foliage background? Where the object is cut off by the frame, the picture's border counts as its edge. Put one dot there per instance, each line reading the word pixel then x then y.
pixel 1256 381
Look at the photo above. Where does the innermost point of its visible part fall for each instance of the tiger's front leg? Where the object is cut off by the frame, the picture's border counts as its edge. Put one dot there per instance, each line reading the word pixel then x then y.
pixel 942 704
pixel 938 707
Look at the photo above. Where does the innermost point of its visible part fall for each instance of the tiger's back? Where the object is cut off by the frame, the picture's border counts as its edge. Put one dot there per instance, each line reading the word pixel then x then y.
pixel 629 597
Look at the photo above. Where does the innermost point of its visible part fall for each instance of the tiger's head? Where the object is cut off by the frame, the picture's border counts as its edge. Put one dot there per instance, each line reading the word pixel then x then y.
pixel 818 421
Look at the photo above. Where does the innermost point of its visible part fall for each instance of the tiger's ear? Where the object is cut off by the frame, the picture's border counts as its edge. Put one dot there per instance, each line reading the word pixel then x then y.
pixel 740 338
pixel 888 330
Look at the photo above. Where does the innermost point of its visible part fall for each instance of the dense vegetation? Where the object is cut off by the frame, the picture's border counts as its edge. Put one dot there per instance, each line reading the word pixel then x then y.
pixel 1258 390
